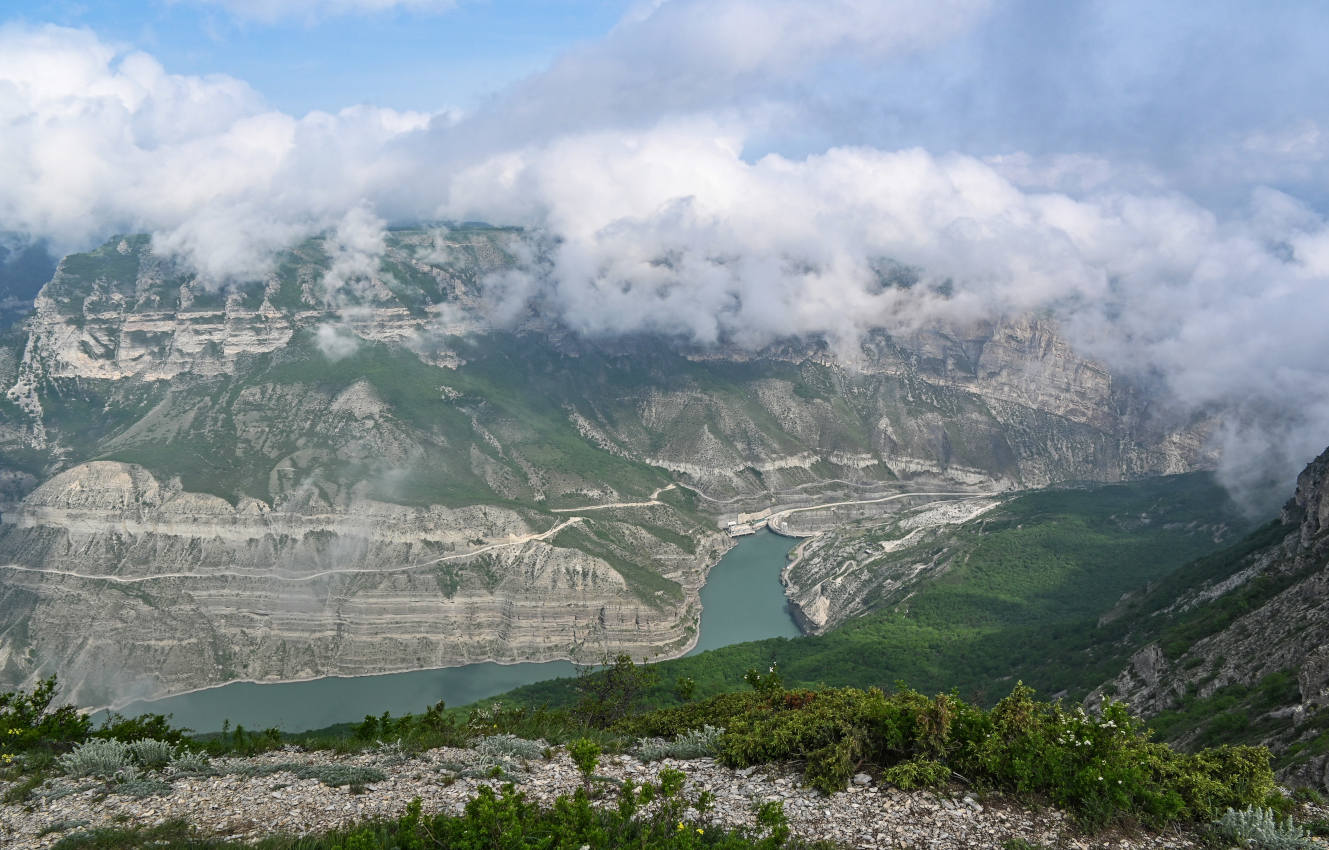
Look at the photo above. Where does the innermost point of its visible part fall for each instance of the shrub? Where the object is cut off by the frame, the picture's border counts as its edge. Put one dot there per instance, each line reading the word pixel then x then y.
pixel 768 684
pixel 188 761
pixel 918 773
pixel 391 752
pixel 1103 768
pixel 1260 828
pixel 101 757
pixel 585 754
pixel 611 694
pixel 497 756
pixel 440 729
pixel 29 720
pixel 335 775
pixel 141 786
pixel 833 733
pixel 151 753
pixel 693 744
pixel 242 741
pixel 155 726
pixel 508 746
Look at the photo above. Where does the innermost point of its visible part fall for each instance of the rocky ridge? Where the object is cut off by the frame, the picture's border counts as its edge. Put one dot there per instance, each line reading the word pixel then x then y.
pixel 838 573
pixel 1286 633
pixel 240 806
pixel 249 592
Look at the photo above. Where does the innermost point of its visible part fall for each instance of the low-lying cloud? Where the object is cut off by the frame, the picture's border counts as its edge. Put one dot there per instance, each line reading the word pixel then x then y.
pixel 694 174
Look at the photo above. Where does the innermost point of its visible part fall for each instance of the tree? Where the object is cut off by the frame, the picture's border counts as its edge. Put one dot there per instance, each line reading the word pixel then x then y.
pixel 611 693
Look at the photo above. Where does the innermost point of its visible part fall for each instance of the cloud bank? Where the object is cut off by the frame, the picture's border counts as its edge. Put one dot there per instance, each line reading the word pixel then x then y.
pixel 738 172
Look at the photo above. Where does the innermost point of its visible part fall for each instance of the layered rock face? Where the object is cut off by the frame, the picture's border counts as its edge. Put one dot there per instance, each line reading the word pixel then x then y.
pixel 241 481
pixel 989 406
pixel 844 572
pixel 1285 634
pixel 136 588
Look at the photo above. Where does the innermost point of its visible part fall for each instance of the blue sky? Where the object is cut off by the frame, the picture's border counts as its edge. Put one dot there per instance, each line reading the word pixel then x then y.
pixel 401 58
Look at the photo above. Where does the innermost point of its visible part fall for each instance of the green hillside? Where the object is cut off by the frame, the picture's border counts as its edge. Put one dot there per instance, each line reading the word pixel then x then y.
pixel 1021 599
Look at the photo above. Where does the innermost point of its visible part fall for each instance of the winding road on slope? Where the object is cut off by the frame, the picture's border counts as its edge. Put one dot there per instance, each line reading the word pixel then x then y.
pixel 515 541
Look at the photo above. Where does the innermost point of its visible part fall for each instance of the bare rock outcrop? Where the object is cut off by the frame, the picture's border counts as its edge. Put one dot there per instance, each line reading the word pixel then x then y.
pixel 126 586
pixel 1285 634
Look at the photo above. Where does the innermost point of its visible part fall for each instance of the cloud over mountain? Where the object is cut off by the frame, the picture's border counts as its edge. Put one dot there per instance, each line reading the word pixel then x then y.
pixel 736 171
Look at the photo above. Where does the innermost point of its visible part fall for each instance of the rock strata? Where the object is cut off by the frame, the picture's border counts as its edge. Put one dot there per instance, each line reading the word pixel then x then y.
pixel 199 474
pixel 187 589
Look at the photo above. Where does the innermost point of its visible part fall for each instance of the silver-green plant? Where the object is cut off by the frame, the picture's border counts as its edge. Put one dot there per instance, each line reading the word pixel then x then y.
pixel 101 757
pixel 141 786
pixel 498 747
pixel 391 752
pixel 151 753
pixel 652 749
pixel 188 761
pixel 496 756
pixel 692 744
pixel 1262 829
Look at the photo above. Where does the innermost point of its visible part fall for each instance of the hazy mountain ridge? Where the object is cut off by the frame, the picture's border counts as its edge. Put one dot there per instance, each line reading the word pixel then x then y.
pixel 280 413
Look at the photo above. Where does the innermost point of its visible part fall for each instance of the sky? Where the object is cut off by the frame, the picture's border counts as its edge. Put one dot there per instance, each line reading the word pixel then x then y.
pixel 315 55
pixel 1153 175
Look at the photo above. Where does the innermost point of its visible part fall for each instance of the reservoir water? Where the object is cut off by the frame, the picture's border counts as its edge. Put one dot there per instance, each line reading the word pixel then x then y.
pixel 742 600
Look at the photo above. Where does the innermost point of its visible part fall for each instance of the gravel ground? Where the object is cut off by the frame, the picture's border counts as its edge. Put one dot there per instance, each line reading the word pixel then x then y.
pixel 239 806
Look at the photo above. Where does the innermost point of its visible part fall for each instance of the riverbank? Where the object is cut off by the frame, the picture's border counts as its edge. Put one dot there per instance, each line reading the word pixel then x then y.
pixel 744 580
pixel 761 614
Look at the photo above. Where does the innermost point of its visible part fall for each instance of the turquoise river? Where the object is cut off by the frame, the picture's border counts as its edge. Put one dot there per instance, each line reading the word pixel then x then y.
pixel 742 600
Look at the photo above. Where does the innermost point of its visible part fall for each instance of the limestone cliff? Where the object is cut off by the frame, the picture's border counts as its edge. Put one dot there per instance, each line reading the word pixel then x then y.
pixel 127 586
pixel 848 569
pixel 179 456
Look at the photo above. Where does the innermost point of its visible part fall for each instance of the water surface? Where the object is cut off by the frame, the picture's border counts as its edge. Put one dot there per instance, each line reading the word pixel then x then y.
pixel 742 600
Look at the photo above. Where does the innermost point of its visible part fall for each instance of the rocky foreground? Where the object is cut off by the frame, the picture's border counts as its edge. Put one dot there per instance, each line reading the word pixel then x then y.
pixel 240 802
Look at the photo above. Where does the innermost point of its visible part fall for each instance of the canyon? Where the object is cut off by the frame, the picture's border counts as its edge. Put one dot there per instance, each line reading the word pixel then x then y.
pixel 301 476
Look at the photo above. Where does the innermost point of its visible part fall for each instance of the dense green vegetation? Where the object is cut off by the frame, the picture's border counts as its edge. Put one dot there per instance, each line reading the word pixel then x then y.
pixel 1104 769
pixel 1022 598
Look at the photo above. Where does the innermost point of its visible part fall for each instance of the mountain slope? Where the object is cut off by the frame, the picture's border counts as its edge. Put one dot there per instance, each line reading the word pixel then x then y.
pixel 1240 652
pixel 1017 592
pixel 173 450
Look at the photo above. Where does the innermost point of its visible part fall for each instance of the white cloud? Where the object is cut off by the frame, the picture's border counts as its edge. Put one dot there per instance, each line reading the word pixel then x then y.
pixel 336 342
pixel 633 156
pixel 355 249
pixel 96 142
pixel 671 230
